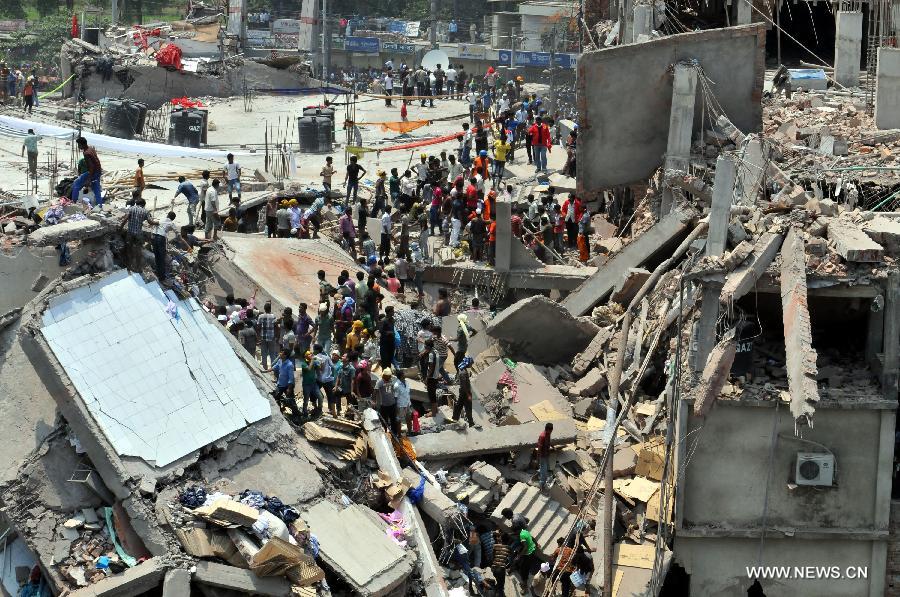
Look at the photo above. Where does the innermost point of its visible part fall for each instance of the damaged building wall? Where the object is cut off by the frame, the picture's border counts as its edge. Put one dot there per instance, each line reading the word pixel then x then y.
pixel 625 95
pixel 155 86
pixel 722 500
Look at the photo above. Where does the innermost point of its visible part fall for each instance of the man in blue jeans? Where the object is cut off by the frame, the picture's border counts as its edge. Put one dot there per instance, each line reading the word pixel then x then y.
pixel 92 176
pixel 233 178
pixel 354 173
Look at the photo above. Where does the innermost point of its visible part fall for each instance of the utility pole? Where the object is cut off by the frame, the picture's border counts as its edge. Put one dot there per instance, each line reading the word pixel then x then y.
pixel 512 47
pixel 114 12
pixel 326 43
pixel 432 33
pixel 552 109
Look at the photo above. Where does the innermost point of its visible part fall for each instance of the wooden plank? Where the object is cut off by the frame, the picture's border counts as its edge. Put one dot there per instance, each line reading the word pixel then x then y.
pixel 636 556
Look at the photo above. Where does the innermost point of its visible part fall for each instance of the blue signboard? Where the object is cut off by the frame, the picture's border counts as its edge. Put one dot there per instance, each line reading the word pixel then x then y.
pixel 538 59
pixel 398 48
pixel 368 45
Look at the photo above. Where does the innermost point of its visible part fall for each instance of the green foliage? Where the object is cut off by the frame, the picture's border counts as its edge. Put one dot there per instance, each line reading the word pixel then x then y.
pixel 40 42
pixel 46 7
pixel 12 9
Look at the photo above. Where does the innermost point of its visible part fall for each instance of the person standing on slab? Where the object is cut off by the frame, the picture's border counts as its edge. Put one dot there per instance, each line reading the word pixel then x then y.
pixel 543 451
pixel 30 146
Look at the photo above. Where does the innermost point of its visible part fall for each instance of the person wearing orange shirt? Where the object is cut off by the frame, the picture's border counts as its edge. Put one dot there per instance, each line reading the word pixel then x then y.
pixel 482 165
pixel 492 239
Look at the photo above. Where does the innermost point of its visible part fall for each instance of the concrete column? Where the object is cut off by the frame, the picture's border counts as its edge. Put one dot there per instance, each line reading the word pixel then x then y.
pixel 874 337
pixel 744 12
pixel 503 255
pixel 848 47
pixel 643 21
pixel 891 354
pixel 706 325
pixel 681 125
pixel 626 20
pixel 723 195
pixel 887 89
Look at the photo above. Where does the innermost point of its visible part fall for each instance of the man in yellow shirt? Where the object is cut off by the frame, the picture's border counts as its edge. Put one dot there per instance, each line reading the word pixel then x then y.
pixel 501 148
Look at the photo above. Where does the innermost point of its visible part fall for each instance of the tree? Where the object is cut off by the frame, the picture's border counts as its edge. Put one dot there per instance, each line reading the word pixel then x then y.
pixel 46 7
pixel 40 43
pixel 12 9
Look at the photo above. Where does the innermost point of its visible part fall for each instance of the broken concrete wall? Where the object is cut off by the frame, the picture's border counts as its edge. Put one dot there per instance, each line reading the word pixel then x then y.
pixel 541 331
pixel 625 95
pixel 19 271
pixel 155 86
pixel 722 497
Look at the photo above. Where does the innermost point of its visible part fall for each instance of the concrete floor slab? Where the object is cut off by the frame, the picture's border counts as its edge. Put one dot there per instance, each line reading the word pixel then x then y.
pixel 353 543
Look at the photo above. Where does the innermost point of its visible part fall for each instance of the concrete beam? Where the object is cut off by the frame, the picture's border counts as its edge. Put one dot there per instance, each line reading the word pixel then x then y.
pixel 177 583
pixel 799 351
pixel 751 168
pixel 891 354
pixel 510 254
pixel 887 89
pixel 430 571
pixel 848 47
pixel 741 281
pixel 601 283
pixel 706 325
pixel 564 278
pixel 435 504
pixel 681 124
pixel 723 195
pixel 496 440
pixel 46 236
pixel 224 576
pixel 853 244
pixel 690 184
pixel 141 579
pixel 715 374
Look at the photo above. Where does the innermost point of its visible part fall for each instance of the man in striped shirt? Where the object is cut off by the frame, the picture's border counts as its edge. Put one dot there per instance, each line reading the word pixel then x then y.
pixel 442 346
pixel 266 332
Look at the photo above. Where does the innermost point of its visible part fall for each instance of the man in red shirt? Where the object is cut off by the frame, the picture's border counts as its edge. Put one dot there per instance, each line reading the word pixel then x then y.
pixel 539 133
pixel 92 176
pixel 516 223
pixel 543 450
pixel 472 194
pixel 572 210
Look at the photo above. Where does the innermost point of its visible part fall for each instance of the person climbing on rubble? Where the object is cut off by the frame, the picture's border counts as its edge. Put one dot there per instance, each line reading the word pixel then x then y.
pixel 500 561
pixel 354 174
pixel 159 240
pixel 186 188
pixel 572 212
pixel 465 392
pixel 92 176
pixel 432 375
pixel 400 388
pixel 266 333
pixel 564 564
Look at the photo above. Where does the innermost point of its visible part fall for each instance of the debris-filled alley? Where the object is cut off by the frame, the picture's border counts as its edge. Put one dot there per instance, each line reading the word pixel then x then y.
pixel 448 321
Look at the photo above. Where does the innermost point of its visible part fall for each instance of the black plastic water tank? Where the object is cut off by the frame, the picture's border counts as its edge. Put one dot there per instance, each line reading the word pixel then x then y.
pixel 324 131
pixel 204 114
pixel 116 120
pixel 322 111
pixel 193 131
pixel 141 117
pixel 178 127
pixel 307 127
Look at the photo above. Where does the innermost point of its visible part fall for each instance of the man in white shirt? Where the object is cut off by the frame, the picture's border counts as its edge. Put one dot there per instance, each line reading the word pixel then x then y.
pixel 451 82
pixel 211 209
pixel 503 104
pixel 233 178
pixel 384 250
pixel 388 87
pixel 158 242
pixel 454 169
pixel 472 98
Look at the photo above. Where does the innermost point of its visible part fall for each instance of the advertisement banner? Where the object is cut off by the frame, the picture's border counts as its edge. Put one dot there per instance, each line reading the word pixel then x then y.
pixel 398 48
pixel 537 59
pixel 286 25
pixel 471 51
pixel 364 45
pixel 407 28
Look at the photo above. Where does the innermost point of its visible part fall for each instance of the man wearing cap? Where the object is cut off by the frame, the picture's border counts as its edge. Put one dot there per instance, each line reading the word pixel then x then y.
pixel 482 166
pixel 283 219
pixel 387 401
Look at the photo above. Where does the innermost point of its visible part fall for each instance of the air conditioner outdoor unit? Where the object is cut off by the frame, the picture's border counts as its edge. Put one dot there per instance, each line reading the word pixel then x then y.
pixel 814 468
